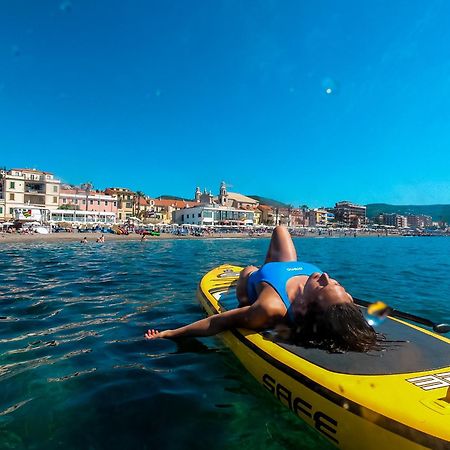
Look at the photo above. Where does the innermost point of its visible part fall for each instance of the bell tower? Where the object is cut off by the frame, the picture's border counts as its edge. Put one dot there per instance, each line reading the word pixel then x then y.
pixel 198 194
pixel 223 195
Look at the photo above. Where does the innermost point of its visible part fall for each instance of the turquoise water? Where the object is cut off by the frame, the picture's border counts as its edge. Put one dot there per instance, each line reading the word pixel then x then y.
pixel 75 371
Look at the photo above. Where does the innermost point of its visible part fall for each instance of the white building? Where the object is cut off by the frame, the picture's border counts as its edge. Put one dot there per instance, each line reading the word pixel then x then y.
pixel 213 215
pixel 63 215
pixel 79 216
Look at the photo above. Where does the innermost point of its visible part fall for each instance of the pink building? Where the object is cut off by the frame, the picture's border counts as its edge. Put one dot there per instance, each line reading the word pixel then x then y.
pixel 75 198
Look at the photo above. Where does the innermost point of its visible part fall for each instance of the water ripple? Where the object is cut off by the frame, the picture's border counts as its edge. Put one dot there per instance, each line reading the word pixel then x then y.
pixel 75 371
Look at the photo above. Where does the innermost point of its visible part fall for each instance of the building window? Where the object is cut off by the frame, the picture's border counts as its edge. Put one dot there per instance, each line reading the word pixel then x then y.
pixel 91 202
pixel 12 185
pixel 84 202
pixel 64 200
pixel 11 211
pixel 199 215
pixel 55 199
pixel 115 203
pixel 11 196
pixel 106 203
pixel 55 188
pixel 98 202
pixel 76 201
pixel 1 209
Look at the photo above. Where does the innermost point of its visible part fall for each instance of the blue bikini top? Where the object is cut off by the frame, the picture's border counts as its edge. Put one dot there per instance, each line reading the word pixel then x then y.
pixel 277 275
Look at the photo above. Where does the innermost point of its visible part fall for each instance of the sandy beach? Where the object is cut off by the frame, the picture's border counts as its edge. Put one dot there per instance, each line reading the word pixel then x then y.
pixel 92 237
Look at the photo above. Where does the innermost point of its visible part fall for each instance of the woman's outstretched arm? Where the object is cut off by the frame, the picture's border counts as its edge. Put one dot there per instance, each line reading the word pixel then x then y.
pixel 253 317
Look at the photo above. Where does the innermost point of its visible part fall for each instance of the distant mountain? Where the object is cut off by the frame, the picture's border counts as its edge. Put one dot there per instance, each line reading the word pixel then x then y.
pixel 437 212
pixel 173 197
pixel 269 201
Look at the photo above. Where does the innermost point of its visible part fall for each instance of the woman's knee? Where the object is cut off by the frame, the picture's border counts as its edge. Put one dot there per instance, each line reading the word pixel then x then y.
pixel 247 271
pixel 241 287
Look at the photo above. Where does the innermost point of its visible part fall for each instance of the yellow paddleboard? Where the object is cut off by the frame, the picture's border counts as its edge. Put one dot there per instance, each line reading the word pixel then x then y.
pixel 398 398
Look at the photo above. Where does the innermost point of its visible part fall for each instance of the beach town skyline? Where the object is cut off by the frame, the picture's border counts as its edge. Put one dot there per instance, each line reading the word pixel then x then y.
pixel 299 101
pixel 27 194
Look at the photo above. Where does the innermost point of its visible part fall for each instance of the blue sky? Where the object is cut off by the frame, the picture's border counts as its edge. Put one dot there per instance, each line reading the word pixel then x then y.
pixel 301 101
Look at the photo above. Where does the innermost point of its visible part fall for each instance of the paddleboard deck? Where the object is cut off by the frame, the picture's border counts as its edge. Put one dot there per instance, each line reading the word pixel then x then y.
pixel 397 398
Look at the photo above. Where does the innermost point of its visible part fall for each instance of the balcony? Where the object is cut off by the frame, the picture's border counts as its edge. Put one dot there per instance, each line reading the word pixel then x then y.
pixel 34 199
pixel 34 188
pixel 34 191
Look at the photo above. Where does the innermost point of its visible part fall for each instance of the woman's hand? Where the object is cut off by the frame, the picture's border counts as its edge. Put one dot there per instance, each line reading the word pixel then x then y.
pixel 155 334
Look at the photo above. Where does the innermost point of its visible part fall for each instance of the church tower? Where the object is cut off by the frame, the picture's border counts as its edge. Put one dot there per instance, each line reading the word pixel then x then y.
pixel 223 195
pixel 197 194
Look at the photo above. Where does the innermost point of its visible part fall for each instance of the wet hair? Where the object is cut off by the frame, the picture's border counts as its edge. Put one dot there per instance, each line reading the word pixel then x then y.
pixel 340 328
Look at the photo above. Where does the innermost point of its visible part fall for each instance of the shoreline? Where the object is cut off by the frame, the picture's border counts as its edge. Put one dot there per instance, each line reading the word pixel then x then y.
pixel 92 237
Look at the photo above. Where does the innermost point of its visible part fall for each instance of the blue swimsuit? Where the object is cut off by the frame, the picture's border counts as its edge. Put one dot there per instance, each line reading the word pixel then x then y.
pixel 277 275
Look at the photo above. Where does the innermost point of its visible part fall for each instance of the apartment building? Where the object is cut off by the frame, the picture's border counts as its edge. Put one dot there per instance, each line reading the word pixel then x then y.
pixel 86 200
pixel 419 221
pixel 27 188
pixel 392 220
pixel 164 208
pixel 319 217
pixel 350 214
pixel 126 199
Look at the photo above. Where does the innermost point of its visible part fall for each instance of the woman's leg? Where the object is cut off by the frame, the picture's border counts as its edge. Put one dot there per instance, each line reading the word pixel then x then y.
pixel 281 247
pixel 241 287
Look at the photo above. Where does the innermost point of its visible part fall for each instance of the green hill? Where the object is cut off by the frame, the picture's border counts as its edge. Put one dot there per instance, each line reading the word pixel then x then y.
pixel 437 212
pixel 173 197
pixel 269 201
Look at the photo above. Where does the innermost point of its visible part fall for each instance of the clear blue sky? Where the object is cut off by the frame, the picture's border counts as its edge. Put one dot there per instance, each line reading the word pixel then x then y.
pixel 164 96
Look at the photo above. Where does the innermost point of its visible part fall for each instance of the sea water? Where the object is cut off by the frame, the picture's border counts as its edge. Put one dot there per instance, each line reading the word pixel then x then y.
pixel 76 372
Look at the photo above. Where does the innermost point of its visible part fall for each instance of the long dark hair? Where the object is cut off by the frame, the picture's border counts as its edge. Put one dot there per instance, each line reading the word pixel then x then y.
pixel 340 328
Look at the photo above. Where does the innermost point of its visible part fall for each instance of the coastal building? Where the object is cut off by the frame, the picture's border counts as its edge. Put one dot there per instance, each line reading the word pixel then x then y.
pixel 145 209
pixel 164 208
pixel 125 202
pixel 225 198
pixel 257 216
pixel 25 189
pixel 213 215
pixel 299 217
pixel 319 217
pixel 392 220
pixel 350 214
pixel 419 221
pixel 76 198
pixel 267 216
pixel 77 216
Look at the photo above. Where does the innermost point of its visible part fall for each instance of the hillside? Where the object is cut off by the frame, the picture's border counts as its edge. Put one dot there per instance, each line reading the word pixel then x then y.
pixel 437 212
pixel 269 201
pixel 174 197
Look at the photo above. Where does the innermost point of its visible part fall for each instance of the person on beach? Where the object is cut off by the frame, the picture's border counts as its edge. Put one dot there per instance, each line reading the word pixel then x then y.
pixel 84 240
pixel 284 291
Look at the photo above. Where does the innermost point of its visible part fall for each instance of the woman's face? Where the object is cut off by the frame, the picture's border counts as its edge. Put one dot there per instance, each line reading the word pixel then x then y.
pixel 321 291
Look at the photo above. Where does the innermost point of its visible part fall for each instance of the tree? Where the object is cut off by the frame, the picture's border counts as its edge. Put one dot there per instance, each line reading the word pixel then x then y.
pixel 138 196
